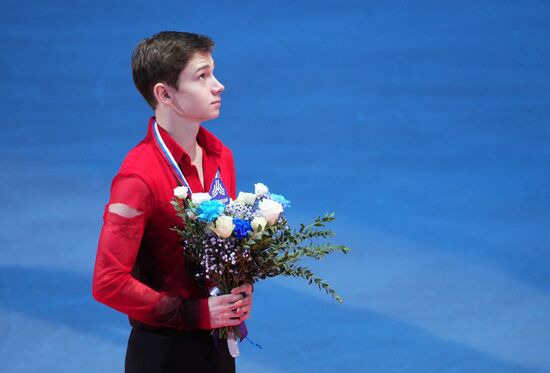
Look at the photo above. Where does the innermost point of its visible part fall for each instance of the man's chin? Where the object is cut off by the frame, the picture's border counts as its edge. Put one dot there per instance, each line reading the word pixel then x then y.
pixel 210 117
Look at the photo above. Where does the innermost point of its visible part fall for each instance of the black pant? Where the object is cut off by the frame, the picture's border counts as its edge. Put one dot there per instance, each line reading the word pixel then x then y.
pixel 170 351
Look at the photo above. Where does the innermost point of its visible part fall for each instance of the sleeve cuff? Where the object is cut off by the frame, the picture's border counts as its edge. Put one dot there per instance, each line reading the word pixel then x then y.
pixel 196 314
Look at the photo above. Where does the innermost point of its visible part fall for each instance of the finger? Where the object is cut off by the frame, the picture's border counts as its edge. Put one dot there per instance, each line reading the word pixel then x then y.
pixel 246 308
pixel 244 317
pixel 234 322
pixel 243 302
pixel 229 308
pixel 226 322
pixel 246 301
pixel 238 313
pixel 237 305
pixel 229 298
pixel 242 310
pixel 231 315
pixel 228 316
pixel 244 288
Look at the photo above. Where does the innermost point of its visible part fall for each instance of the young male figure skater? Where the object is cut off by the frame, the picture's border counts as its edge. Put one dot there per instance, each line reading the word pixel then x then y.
pixel 139 268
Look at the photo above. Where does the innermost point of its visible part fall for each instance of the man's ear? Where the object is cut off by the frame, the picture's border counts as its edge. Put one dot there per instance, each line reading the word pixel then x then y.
pixel 160 90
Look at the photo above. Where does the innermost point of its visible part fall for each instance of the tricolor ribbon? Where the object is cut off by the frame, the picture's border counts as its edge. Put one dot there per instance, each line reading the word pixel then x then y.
pixel 217 190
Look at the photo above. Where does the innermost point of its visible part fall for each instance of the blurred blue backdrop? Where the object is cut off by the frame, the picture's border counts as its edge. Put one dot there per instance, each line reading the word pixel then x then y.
pixel 424 125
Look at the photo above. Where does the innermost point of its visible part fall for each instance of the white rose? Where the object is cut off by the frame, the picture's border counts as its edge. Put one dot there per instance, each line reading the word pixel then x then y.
pixel 223 227
pixel 245 198
pixel 258 223
pixel 270 210
pixel 181 192
pixel 260 189
pixel 199 198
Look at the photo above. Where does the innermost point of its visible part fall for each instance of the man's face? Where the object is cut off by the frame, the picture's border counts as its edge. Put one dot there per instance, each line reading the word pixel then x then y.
pixel 198 96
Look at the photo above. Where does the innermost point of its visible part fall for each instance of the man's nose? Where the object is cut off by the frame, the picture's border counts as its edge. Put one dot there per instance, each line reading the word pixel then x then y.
pixel 218 87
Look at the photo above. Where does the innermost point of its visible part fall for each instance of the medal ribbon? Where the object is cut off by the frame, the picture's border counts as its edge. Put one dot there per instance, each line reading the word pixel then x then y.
pixel 170 158
pixel 217 189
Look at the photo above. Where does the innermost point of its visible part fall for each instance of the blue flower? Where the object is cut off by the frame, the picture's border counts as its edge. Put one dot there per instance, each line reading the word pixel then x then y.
pixel 279 198
pixel 208 211
pixel 242 227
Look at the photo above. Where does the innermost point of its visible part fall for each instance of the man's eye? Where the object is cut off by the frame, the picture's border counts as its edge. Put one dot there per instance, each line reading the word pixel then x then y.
pixel 202 76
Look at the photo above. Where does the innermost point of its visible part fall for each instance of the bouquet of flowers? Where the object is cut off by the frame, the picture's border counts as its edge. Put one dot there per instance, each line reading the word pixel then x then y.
pixel 247 240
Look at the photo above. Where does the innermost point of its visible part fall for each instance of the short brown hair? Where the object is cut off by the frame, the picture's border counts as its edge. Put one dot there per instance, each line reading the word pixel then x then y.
pixel 162 57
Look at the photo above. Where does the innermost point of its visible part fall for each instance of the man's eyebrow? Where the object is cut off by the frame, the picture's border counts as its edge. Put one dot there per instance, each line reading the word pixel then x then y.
pixel 203 67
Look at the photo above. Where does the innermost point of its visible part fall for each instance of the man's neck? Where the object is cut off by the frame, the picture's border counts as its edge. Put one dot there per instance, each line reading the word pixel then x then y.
pixel 183 132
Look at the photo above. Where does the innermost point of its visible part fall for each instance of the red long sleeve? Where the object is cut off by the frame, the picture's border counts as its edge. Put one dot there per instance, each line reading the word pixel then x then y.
pixel 118 248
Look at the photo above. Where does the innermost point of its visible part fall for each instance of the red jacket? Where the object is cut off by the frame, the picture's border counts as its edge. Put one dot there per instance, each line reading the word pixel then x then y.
pixel 139 267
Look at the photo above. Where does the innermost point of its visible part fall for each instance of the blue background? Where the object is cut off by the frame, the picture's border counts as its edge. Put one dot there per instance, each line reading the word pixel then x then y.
pixel 424 125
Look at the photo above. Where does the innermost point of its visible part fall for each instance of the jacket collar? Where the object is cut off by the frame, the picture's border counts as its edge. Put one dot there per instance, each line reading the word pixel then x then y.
pixel 210 143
